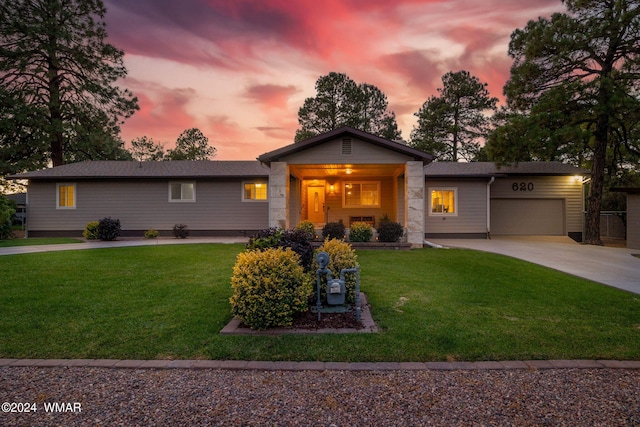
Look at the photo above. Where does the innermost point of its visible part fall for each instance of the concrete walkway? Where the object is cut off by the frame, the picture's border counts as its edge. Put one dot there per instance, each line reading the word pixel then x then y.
pixel 123 242
pixel 611 266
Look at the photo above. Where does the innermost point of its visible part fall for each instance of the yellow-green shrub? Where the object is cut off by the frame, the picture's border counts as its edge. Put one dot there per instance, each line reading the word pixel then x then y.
pixel 151 233
pixel 91 230
pixel 269 287
pixel 308 227
pixel 360 232
pixel 341 255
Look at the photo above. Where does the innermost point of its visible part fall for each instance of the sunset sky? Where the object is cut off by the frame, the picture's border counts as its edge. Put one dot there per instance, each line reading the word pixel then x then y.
pixel 239 70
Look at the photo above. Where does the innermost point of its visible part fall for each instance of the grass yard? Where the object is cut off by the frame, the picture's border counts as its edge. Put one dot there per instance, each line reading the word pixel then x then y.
pixel 171 301
pixel 34 241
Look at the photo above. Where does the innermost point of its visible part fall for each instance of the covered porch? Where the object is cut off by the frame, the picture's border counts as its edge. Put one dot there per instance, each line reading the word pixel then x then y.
pixel 348 175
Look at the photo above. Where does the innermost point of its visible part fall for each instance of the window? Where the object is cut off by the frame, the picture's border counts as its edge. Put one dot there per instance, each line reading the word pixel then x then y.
pixel 182 192
pixel 443 201
pixel 66 196
pixel 254 191
pixel 361 194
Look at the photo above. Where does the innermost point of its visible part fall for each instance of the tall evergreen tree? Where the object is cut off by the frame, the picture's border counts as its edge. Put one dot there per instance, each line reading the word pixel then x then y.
pixel 191 145
pixel 58 100
pixel 452 125
pixel 582 67
pixel 340 101
pixel 145 149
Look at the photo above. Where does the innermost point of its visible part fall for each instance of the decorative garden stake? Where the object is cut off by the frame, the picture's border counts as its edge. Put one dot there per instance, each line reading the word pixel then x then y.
pixel 336 288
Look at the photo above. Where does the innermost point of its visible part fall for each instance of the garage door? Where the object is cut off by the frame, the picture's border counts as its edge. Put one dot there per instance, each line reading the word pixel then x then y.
pixel 527 217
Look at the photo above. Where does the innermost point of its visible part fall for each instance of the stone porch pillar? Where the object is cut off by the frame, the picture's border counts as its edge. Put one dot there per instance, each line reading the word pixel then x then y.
pixel 414 203
pixel 279 195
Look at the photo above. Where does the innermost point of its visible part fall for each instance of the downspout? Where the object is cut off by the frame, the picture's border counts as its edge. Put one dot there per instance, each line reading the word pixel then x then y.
pixel 491 181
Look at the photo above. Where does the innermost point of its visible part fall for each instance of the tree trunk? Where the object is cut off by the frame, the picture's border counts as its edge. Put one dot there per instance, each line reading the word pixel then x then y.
pixel 594 201
pixel 56 136
pixel 592 226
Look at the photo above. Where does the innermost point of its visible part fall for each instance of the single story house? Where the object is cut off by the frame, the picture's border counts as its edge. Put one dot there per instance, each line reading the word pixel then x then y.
pixel 345 174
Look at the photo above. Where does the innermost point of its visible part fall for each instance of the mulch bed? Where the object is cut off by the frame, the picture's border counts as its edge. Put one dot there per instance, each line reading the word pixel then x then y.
pixel 309 320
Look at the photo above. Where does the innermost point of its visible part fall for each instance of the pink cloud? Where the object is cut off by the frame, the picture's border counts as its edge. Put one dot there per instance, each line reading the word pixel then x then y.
pixel 271 96
pixel 267 41
pixel 162 115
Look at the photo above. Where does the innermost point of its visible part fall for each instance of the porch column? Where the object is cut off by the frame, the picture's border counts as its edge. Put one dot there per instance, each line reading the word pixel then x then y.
pixel 279 195
pixel 414 203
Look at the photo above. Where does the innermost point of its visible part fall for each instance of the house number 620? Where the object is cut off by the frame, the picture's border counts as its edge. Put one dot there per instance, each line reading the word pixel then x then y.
pixel 522 186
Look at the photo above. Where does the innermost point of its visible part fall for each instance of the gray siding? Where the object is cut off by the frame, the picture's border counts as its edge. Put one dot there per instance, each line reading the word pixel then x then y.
pixel 295 202
pixel 472 208
pixel 361 153
pixel 144 204
pixel 551 187
pixel 633 221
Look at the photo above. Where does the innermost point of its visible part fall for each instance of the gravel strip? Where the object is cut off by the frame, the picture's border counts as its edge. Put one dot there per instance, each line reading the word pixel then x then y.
pixel 219 397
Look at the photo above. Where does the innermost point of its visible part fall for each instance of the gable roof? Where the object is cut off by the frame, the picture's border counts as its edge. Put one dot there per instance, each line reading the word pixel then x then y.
pixel 176 169
pixel 488 169
pixel 276 155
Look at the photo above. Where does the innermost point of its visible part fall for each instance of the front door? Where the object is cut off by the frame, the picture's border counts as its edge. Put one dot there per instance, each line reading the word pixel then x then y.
pixel 315 204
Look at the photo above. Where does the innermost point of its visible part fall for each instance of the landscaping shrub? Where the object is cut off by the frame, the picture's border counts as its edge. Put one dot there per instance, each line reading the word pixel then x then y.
pixel 333 230
pixel 360 232
pixel 298 240
pixel 108 229
pixel 389 231
pixel 7 214
pixel 308 227
pixel 341 255
pixel 181 231
pixel 266 238
pixel 269 288
pixel 151 234
pixel 91 230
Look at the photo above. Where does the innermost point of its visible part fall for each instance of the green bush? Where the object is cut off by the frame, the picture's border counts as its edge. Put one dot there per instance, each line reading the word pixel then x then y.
pixel 274 237
pixel 333 230
pixel 7 214
pixel 269 288
pixel 91 230
pixel 307 227
pixel 389 231
pixel 108 229
pixel 360 232
pixel 151 234
pixel 341 255
pixel 181 231
pixel 266 238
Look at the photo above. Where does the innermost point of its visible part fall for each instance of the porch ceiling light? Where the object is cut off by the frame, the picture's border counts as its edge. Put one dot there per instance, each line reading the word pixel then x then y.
pixel 348 171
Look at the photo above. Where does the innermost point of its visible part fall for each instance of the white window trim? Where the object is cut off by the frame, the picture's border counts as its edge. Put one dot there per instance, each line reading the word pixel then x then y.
pixel 265 183
pixel 182 200
pixel 344 195
pixel 75 195
pixel 455 201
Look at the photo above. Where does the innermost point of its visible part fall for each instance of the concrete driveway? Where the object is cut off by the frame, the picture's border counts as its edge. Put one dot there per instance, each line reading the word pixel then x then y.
pixel 611 266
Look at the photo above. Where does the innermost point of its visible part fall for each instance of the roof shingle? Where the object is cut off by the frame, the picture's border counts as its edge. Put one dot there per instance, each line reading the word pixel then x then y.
pixel 110 169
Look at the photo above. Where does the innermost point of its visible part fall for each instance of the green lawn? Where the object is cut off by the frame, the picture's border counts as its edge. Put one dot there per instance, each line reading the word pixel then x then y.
pixel 157 302
pixel 38 241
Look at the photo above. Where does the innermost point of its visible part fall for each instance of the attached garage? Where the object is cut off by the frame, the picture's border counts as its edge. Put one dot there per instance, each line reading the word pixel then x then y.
pixel 513 217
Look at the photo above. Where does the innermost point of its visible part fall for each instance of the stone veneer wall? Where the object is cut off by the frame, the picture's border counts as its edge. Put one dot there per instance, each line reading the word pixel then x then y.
pixel 414 197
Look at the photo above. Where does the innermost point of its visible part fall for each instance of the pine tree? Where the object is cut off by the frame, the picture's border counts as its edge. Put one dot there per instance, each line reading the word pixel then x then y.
pixel 58 101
